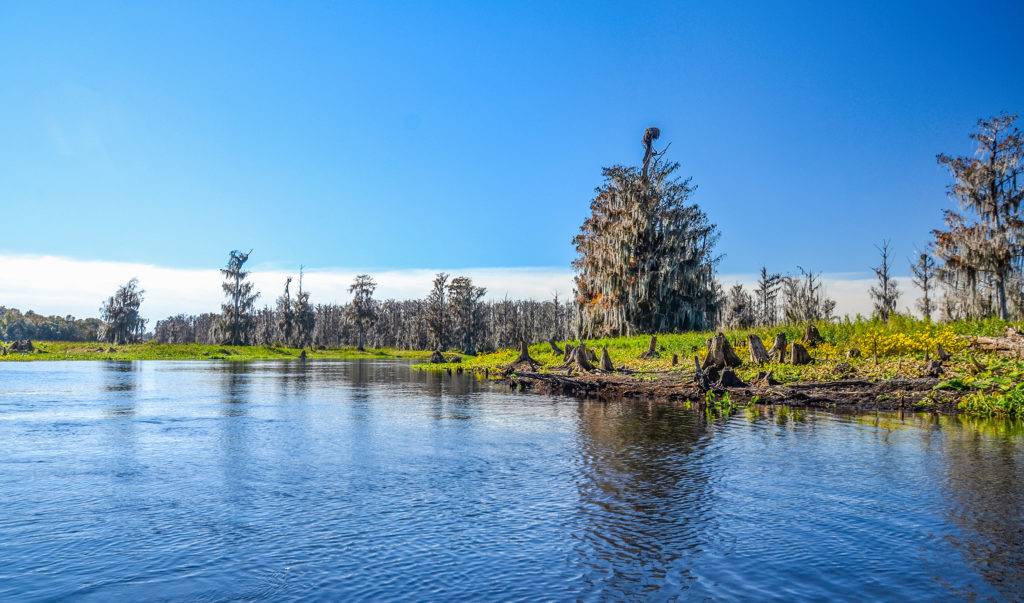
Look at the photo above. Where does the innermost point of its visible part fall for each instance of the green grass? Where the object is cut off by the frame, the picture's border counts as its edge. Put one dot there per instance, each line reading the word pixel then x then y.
pixel 65 350
pixel 896 349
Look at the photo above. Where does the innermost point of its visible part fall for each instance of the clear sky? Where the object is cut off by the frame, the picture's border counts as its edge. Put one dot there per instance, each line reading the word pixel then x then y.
pixel 430 135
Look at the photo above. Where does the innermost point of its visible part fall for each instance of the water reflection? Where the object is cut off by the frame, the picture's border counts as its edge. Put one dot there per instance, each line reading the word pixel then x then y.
pixel 643 494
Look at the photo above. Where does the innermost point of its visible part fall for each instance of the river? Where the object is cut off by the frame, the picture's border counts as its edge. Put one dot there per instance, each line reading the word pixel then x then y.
pixel 367 480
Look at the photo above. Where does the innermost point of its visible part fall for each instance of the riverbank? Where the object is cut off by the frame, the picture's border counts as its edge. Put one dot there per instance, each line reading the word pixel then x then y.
pixel 91 350
pixel 907 364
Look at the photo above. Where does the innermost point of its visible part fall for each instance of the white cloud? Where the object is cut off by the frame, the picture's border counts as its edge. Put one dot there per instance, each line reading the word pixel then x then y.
pixel 59 285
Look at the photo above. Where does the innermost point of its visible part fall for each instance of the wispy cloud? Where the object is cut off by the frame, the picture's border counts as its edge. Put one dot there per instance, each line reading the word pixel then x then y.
pixel 60 285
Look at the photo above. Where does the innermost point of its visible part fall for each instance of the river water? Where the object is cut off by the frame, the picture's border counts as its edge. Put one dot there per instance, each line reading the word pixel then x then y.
pixel 367 480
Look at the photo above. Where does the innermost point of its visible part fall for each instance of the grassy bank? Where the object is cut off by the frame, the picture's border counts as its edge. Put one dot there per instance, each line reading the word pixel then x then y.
pixel 897 349
pixel 64 350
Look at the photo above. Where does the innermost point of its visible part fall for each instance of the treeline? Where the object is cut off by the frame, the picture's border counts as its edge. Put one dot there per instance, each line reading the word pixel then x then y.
pixel 405 324
pixel 14 326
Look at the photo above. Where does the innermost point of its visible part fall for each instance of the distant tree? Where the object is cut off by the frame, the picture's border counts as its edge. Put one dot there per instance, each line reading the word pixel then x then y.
pixel 286 314
pixel 804 299
pixel 363 310
pixel 236 318
pixel 885 294
pixel 645 255
pixel 739 308
pixel 120 314
pixel 305 318
pixel 924 278
pixel 467 311
pixel 765 309
pixel 437 312
pixel 982 248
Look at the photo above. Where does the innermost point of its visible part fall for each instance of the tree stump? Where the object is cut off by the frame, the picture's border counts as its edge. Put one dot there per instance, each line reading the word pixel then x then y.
pixel 941 353
pixel 524 354
pixel 811 336
pixel 568 352
pixel 729 379
pixel 758 354
pixel 652 349
pixel 798 355
pixel 699 377
pixel 720 354
pixel 554 347
pixel 582 358
pixel 606 361
pixel 778 349
pixel 436 357
pixel 933 368
pixel 853 353
pixel 591 355
pixel 766 378
pixel 675 359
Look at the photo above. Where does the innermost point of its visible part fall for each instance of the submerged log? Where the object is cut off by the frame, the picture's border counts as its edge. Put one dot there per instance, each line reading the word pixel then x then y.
pixel 758 354
pixel 778 349
pixel 652 349
pixel 606 361
pixel 798 354
pixel 554 347
pixel 720 354
pixel 811 336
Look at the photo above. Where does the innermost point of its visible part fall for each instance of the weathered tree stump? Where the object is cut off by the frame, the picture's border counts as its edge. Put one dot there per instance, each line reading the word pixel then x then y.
pixel 933 368
pixel 728 378
pixel 22 345
pixel 811 336
pixel 758 354
pixel 699 377
pixel 524 354
pixel 941 353
pixel 568 351
pixel 606 361
pixel 652 349
pixel 720 354
pixel 436 357
pixel 853 353
pixel 582 358
pixel 675 359
pixel 778 349
pixel 798 355
pixel 554 347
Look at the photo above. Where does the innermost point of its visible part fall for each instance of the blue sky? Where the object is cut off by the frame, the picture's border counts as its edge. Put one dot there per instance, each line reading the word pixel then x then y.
pixel 437 135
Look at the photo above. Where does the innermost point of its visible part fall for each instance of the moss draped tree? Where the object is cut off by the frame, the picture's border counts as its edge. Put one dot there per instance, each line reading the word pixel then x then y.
pixel 645 255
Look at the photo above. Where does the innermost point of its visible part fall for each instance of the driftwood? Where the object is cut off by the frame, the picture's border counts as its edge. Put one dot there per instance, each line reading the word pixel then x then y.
pixel 436 357
pixel 652 349
pixel 758 354
pixel 798 354
pixel 720 354
pixel 811 336
pixel 778 349
pixel 606 361
pixel 554 347
pixel 1013 341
